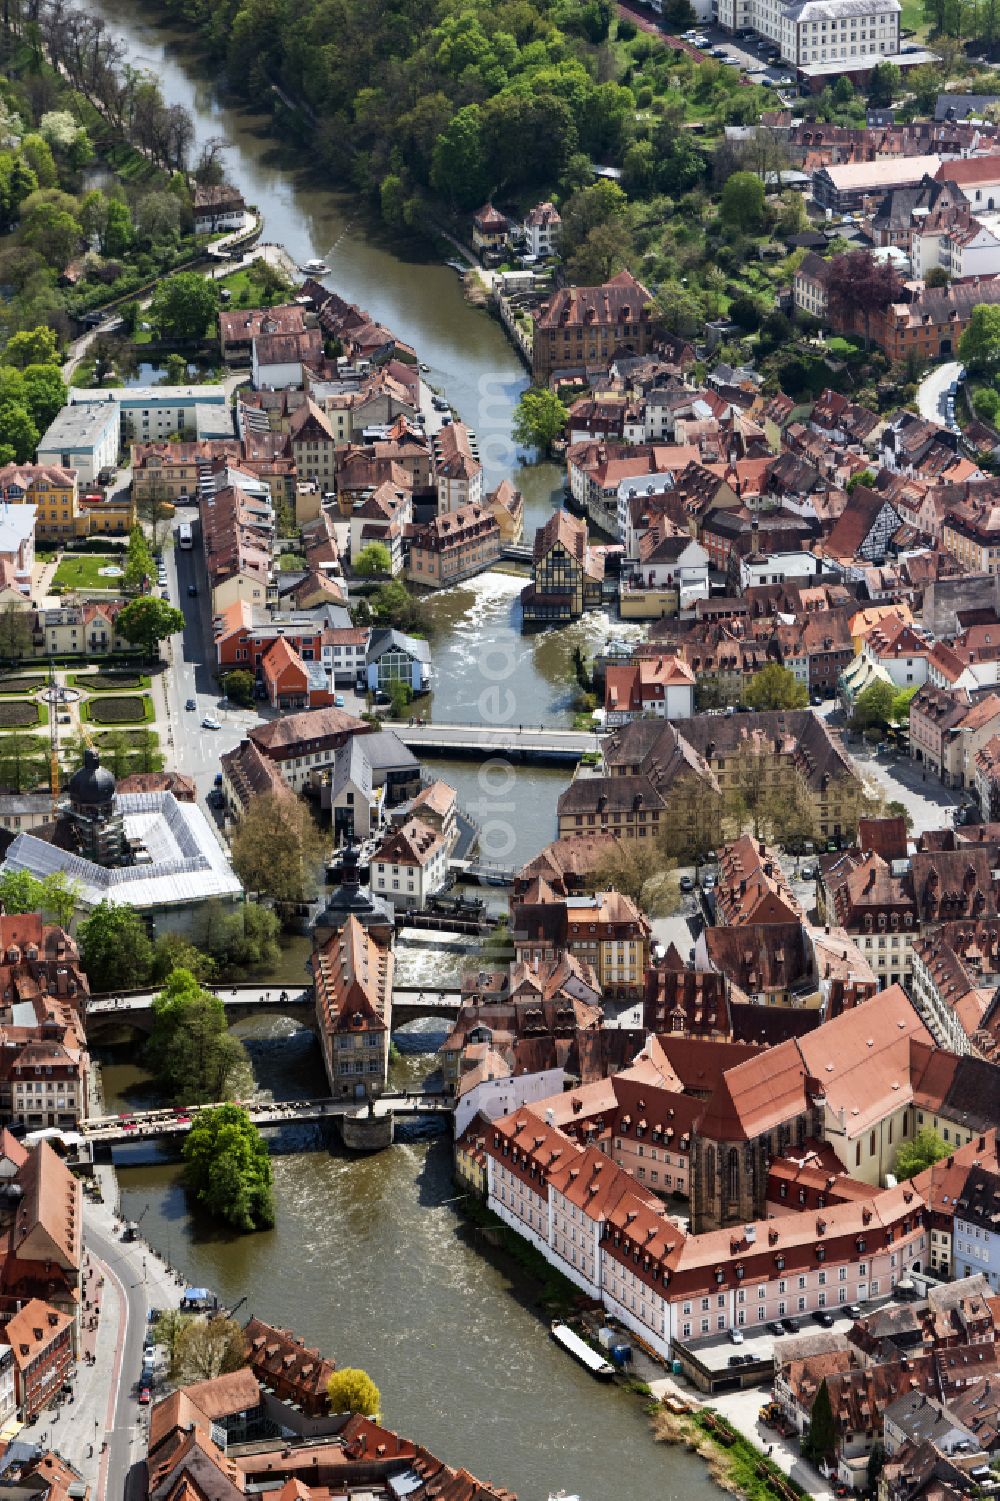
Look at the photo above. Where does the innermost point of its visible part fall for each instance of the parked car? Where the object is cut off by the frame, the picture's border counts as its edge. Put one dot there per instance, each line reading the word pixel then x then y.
pixel 736 1335
pixel 790 1326
pixel 338 700
pixel 708 883
pixel 822 1316
pixel 775 1328
pixel 719 52
pixel 190 703
pixel 210 723
pixel 855 1311
pixel 145 1396
pixel 809 872
pixel 686 883
pixel 735 1360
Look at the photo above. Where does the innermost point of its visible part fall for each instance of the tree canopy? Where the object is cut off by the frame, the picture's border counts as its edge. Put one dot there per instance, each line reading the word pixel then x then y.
pixel 353 1390
pixel 201 1348
pixel 54 895
pixel 775 687
pixel 923 1151
pixel 979 346
pixel 227 1168
pixel 184 305
pixel 375 558
pixel 278 850
pixel 195 1059
pixel 115 950
pixel 147 621
pixel 540 418
pixel 858 283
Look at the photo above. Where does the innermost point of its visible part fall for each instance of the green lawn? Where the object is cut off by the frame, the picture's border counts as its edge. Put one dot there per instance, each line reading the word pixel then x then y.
pixel 82 571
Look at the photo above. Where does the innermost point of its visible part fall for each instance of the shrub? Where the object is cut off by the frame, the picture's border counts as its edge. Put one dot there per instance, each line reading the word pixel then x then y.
pixel 17 715
pixel 130 709
pixel 626 31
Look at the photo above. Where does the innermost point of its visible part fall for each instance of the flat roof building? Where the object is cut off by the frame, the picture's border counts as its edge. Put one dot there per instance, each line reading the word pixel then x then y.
pixel 82 436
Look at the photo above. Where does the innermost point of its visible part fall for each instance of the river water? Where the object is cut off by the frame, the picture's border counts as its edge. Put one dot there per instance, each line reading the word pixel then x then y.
pixel 370 1259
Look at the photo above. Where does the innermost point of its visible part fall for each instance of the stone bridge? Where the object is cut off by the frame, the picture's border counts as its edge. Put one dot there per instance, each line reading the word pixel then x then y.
pixel 106 1014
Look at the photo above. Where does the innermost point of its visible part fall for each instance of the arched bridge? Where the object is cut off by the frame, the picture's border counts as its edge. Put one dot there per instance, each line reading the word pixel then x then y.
pixel 105 1013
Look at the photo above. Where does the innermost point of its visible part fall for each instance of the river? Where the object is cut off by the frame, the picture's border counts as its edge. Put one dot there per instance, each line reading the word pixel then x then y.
pixel 372 1262
pixel 370 1259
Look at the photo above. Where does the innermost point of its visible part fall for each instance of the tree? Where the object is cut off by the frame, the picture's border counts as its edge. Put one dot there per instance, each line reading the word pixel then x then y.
pixel 115 948
pixel 204 1348
pixel 647 875
pixel 986 403
pixel 742 202
pixel 190 1050
pixel 19 430
pixel 895 809
pixel 745 311
pixel 866 477
pixel 902 698
pixel 278 851
pixel 53 895
pixel 147 621
pixel 22 760
pixel 118 232
pixel 31 346
pixel 375 558
pixel 858 285
pixel 353 1390
pixel 923 1151
pixel 937 276
pixel 138 561
pixel 227 1168
pixel 819 1442
pixel 401 697
pixel 158 217
pixel 540 418
pixel 238 686
pixel 775 687
pixel 979 346
pixel 54 232
pixel 883 85
pixel 15 633
pixel 167 1332
pixel 46 393
pixel 873 708
pixel 183 306
pixel 173 951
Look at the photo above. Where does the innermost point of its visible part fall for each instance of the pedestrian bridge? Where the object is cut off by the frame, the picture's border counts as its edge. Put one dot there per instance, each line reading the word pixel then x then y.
pixel 107 1131
pixel 104 1014
pixel 512 742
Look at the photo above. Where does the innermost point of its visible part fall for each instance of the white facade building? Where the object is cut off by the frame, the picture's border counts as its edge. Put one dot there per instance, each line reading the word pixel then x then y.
pixel 858 33
pixel 83 436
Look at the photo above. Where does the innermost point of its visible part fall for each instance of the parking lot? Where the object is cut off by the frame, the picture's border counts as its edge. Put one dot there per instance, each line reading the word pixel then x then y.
pixel 756 57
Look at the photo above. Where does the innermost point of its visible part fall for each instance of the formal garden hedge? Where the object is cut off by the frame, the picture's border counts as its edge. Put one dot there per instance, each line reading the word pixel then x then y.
pixel 19 715
pixel 130 708
pixel 21 684
pixel 106 682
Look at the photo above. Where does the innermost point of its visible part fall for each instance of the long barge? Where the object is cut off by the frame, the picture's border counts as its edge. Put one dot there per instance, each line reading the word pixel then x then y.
pixel 581 1352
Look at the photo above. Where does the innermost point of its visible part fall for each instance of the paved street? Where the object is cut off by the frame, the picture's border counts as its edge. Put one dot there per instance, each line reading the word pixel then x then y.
pixel 105 1406
pixel 932 390
pixel 190 667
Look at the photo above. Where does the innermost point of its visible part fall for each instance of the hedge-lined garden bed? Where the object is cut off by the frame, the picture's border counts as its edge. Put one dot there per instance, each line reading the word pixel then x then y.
pixel 29 684
pixel 132 708
pixel 19 715
pixel 109 682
